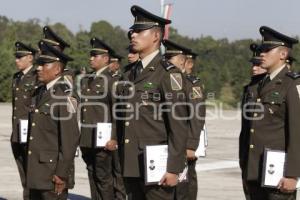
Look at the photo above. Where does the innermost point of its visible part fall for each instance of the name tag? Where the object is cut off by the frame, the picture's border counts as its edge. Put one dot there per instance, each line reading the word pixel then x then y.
pixel 23 130
pixel 103 134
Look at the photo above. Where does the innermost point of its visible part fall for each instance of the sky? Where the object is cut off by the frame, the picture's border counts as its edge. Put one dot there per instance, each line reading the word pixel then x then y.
pixel 232 19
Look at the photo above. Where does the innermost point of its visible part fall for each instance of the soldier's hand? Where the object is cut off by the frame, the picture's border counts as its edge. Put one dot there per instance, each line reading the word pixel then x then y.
pixel 287 185
pixel 169 179
pixel 190 154
pixel 111 145
pixel 60 184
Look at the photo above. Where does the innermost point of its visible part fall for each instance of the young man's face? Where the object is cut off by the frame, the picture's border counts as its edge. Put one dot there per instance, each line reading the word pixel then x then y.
pixel 178 61
pixel 272 58
pixel 142 40
pixel 24 62
pixel 189 64
pixel 48 71
pixel 99 61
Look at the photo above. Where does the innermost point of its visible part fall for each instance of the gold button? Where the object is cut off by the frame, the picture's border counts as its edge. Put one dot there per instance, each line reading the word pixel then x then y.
pixel 31 138
pixel 84 110
pixel 128 106
pixel 127 141
pixel 16 98
pixel 272 102
pixel 131 89
pixel 252 130
pixel 88 89
pixel 15 108
pixel 14 117
pixel 255 114
pixel 33 124
pixel 50 160
pixel 36 110
pixel 126 123
pixel 29 152
pixel 258 100
pixel 17 89
pixel 86 100
pixel 83 120
pixel 251 146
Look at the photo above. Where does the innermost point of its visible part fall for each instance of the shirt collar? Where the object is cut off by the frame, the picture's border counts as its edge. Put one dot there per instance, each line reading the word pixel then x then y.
pixel 149 58
pixel 25 71
pixel 101 70
pixel 52 83
pixel 276 72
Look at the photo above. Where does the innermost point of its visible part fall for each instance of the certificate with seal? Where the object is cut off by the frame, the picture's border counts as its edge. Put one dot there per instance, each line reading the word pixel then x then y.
pixel 23 130
pixel 103 134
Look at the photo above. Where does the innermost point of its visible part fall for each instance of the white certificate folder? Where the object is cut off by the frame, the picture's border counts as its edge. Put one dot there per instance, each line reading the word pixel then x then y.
pixel 273 168
pixel 156 158
pixel 23 130
pixel 103 134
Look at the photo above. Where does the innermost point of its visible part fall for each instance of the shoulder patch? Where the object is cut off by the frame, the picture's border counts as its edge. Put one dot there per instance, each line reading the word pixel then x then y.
pixel 167 65
pixel 293 75
pixel 176 81
pixel 197 93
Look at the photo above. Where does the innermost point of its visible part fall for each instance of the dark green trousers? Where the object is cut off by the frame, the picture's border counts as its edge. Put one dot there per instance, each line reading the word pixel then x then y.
pixel 47 195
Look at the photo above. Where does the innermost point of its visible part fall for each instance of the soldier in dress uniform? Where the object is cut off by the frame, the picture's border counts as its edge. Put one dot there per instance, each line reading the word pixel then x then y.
pixel 53 129
pixel 178 55
pixel 257 74
pixel 277 126
pixel 153 82
pixel 96 107
pixel 54 40
pixel 24 84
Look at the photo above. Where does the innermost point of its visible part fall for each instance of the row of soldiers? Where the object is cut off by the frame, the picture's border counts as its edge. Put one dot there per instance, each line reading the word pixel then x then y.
pixel 62 115
pixel 270 111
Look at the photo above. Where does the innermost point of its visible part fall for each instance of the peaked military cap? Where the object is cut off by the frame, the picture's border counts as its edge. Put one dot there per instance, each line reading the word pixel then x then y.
pixel 191 54
pixel 53 39
pixel 272 39
pixel 99 47
pixel 173 49
pixel 146 20
pixel 50 54
pixel 24 50
pixel 256 50
pixel 115 58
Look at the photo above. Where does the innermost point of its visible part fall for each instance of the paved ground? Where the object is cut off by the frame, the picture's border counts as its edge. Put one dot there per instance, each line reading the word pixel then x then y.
pixel 218 174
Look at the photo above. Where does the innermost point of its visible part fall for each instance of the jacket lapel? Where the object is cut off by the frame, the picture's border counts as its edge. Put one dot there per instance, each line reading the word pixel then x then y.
pixel 149 68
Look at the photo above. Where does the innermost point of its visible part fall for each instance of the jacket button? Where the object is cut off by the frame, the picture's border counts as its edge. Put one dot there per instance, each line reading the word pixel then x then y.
pixel 50 160
pixel 128 106
pixel 36 110
pixel 16 98
pixel 127 141
pixel 84 110
pixel 33 124
pixel 255 114
pixel 15 108
pixel 126 123
pixel 131 89
pixel 88 90
pixel 258 100
pixel 252 130
pixel 14 117
pixel 31 138
pixel 251 146
pixel 86 100
pixel 17 89
pixel 29 152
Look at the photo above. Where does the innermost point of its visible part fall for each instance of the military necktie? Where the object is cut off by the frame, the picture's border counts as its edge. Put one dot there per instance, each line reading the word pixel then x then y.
pixel 138 69
pixel 263 83
pixel 42 91
pixel 19 77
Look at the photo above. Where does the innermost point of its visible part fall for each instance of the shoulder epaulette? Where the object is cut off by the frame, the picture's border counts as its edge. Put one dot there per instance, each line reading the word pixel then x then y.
pixel 193 79
pixel 293 75
pixel 167 65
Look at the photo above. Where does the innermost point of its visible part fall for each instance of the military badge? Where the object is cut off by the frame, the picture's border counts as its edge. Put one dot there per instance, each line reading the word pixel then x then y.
pixel 148 85
pixel 197 93
pixel 176 81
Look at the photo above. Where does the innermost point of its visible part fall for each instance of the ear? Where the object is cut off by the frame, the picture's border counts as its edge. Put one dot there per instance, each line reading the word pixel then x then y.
pixel 283 54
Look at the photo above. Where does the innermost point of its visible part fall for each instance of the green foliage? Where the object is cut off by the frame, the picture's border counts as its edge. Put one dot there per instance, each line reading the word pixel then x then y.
pixel 222 65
